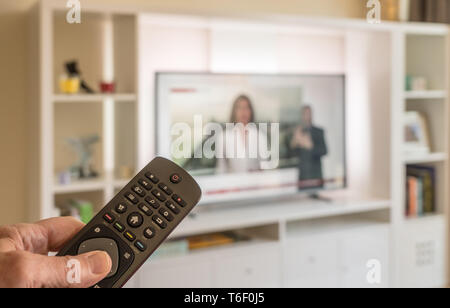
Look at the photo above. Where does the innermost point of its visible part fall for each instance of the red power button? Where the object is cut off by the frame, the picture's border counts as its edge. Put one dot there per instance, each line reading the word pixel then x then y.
pixel 175 178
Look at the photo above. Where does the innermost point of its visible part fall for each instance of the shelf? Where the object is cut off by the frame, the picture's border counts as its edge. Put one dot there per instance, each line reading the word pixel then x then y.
pixel 119 184
pixel 88 185
pixel 228 218
pixel 331 225
pixel 80 98
pixel 425 218
pixel 219 250
pixel 80 186
pixel 423 159
pixel 435 94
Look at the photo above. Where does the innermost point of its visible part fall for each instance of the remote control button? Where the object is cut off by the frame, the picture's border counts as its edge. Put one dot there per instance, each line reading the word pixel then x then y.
pixel 133 199
pixel 129 236
pixel 165 188
pixel 119 227
pixel 175 178
pixel 139 191
pixel 172 207
pixel 152 177
pixel 158 195
pixel 149 233
pixel 145 184
pixel 153 203
pixel 135 220
pixel 165 213
pixel 178 200
pixel 158 220
pixel 109 218
pixel 141 246
pixel 144 208
pixel 103 244
pixel 121 208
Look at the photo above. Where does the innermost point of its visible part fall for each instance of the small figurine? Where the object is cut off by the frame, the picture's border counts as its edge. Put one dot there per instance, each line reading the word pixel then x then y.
pixel 74 72
pixel 84 149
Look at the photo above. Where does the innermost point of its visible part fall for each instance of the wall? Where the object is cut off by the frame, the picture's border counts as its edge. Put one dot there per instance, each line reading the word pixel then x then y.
pixel 340 8
pixel 13 112
pixel 14 71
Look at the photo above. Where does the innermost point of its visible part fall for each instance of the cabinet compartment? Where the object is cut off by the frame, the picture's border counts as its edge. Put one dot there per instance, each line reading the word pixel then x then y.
pixel 311 262
pixel 254 268
pixel 176 273
pixel 423 253
pixel 358 249
pixel 257 265
pixel 335 252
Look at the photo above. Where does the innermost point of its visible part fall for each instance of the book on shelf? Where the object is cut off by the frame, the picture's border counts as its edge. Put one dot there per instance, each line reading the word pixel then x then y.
pixel 210 240
pixel 181 247
pixel 420 191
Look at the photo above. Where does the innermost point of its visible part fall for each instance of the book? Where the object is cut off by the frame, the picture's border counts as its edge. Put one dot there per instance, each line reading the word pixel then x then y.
pixel 210 240
pixel 412 192
pixel 420 198
pixel 428 178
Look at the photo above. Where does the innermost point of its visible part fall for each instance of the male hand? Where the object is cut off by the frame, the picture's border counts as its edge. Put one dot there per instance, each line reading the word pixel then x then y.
pixel 302 140
pixel 24 262
pixel 306 142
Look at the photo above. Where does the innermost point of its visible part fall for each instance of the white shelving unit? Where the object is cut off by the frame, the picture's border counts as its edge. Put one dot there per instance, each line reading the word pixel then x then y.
pixel 89 98
pixel 423 159
pixel 288 210
pixel 421 250
pixel 436 95
pixel 108 52
pixel 80 186
pixel 306 243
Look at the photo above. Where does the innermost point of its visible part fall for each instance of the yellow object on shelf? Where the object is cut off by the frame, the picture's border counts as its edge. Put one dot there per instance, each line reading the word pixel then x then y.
pixel 69 85
pixel 211 240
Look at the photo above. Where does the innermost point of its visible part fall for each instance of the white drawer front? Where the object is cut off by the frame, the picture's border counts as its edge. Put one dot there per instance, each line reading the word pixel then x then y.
pixel 177 274
pixel 260 268
pixel 360 247
pixel 311 262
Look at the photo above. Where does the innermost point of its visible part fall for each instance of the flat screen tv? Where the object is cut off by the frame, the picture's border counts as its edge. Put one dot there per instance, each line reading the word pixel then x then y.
pixel 252 135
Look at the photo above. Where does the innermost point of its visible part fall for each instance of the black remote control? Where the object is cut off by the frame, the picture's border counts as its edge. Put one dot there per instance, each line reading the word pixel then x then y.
pixel 138 219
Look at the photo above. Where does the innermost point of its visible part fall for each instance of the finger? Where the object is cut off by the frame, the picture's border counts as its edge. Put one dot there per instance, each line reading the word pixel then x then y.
pixel 81 271
pixel 59 231
pixel 42 237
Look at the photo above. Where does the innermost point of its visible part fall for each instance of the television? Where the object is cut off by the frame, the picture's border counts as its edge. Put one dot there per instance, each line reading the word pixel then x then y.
pixel 253 136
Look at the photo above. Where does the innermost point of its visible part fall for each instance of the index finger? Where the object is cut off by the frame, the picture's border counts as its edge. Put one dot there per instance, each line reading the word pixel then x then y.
pixel 41 237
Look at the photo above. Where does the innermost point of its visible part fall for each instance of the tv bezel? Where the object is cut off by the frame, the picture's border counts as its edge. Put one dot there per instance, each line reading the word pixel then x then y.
pixel 304 192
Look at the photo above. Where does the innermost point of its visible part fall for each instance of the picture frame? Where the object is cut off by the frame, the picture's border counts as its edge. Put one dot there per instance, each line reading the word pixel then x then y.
pixel 416 134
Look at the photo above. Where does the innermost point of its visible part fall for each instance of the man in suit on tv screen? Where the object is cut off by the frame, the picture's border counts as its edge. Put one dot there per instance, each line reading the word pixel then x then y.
pixel 308 144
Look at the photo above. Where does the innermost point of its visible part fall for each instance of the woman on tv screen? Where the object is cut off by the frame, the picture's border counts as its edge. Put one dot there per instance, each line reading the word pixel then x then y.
pixel 239 140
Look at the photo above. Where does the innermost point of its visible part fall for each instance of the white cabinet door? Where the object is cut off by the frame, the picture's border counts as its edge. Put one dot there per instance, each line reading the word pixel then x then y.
pixel 360 246
pixel 254 268
pixel 423 253
pixel 311 262
pixel 186 272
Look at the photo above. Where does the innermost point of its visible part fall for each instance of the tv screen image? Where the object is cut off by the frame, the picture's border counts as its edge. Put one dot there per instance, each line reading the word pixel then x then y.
pixel 308 112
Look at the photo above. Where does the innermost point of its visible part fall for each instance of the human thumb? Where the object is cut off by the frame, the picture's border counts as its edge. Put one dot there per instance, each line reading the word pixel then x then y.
pixel 81 271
